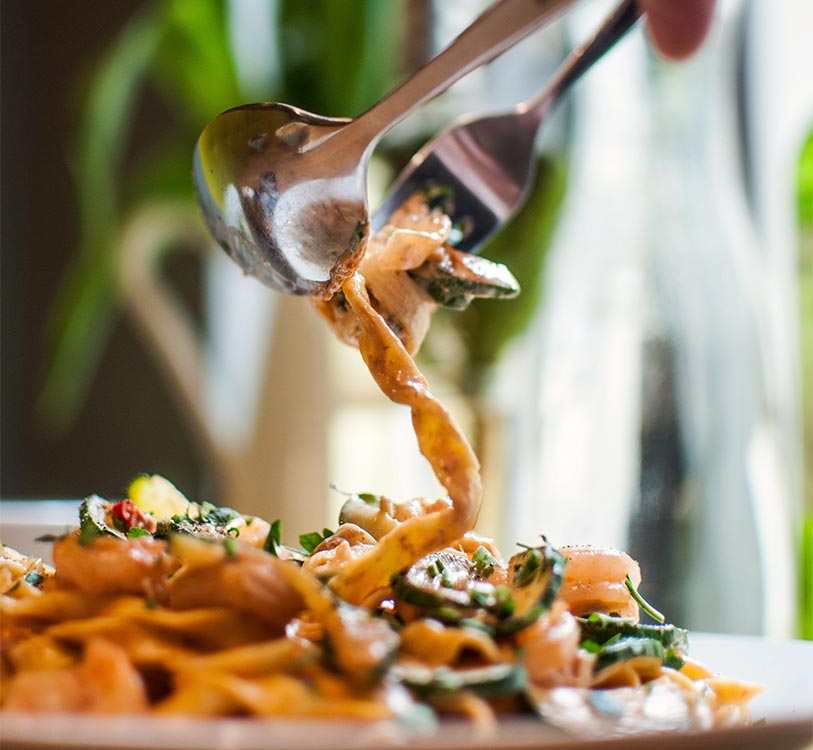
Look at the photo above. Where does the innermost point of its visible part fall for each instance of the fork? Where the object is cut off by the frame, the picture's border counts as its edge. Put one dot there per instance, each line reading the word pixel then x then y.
pixel 483 167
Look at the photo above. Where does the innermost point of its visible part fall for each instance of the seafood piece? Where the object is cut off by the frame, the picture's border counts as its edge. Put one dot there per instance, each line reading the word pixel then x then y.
pixel 245 579
pixel 594 581
pixel 551 650
pixel 413 234
pixel 347 543
pixel 104 682
pixel 109 565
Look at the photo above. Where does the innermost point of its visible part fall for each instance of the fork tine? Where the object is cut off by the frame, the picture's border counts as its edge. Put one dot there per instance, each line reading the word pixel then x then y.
pixel 487 163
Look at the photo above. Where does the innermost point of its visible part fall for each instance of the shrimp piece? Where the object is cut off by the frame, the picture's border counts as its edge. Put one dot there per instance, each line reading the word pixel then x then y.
pixel 248 581
pixel 594 581
pixel 107 565
pixel 44 691
pixel 347 543
pixel 112 684
pixel 470 541
pixel 104 682
pixel 551 650
pixel 414 232
pixel 251 530
pixel 414 508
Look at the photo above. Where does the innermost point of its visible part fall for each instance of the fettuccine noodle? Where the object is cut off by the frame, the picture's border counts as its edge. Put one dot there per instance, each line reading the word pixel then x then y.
pixel 165 606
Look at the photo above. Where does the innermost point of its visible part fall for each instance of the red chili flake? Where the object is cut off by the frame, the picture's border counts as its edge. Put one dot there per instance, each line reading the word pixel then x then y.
pixel 133 517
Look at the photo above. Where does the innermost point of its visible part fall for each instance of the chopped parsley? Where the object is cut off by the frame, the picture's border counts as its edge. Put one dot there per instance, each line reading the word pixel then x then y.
pixel 484 562
pixel 642 603
pixel 530 565
pixel 310 541
pixel 365 497
pixel 214 514
pixel 274 539
pixel 230 545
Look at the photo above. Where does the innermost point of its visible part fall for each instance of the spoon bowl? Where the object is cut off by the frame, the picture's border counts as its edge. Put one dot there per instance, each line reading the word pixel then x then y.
pixel 290 214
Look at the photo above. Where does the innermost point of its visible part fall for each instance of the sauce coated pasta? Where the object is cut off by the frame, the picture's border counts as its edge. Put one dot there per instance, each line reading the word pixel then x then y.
pixel 162 605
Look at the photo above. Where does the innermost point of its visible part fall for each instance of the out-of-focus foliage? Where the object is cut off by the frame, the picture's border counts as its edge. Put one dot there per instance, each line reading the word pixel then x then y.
pixel 805 190
pixel 338 57
pixel 805 214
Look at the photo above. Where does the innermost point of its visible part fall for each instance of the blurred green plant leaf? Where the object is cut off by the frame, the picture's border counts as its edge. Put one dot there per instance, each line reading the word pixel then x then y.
pixel 194 65
pixel 347 61
pixel 339 56
pixel 162 173
pixel 805 583
pixel 805 184
pixel 805 293
pixel 82 314
pixel 488 325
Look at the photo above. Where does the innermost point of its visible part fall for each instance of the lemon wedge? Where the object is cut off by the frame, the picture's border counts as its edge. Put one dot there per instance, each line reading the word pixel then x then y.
pixel 158 496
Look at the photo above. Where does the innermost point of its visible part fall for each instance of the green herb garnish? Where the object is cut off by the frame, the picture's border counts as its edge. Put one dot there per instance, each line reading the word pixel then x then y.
pixel 366 497
pixel 214 514
pixel 34 578
pixel 274 539
pixel 531 563
pixel 643 603
pixel 230 545
pixel 93 521
pixel 310 541
pixel 484 562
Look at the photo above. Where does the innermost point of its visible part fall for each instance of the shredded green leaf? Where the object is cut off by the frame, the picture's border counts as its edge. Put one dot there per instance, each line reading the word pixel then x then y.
pixel 88 531
pixel 590 646
pixel 483 562
pixel 274 539
pixel 530 565
pixel 34 578
pixel 219 516
pixel 367 497
pixel 135 531
pixel 642 603
pixel 310 541
pixel 230 545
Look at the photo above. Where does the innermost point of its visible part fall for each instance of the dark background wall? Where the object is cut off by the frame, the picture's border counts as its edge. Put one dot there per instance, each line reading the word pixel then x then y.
pixel 129 424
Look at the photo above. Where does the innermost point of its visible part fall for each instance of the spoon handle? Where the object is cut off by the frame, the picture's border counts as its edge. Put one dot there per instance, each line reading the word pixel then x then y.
pixel 496 30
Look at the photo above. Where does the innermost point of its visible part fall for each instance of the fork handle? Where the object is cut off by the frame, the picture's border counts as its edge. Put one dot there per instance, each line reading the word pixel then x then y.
pixel 621 20
pixel 492 33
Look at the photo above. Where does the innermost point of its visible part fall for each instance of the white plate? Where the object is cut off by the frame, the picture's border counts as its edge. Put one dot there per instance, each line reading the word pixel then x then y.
pixel 783 716
pixel 783 713
pixel 22 522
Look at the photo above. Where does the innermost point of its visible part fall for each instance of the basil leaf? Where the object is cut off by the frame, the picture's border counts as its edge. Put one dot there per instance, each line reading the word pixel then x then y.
pixel 273 540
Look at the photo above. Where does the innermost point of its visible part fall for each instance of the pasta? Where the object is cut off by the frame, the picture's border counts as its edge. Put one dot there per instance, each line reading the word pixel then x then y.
pixel 162 605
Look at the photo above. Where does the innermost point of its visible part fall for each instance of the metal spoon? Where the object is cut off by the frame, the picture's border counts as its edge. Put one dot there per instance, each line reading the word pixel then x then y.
pixel 284 190
pixel 484 166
